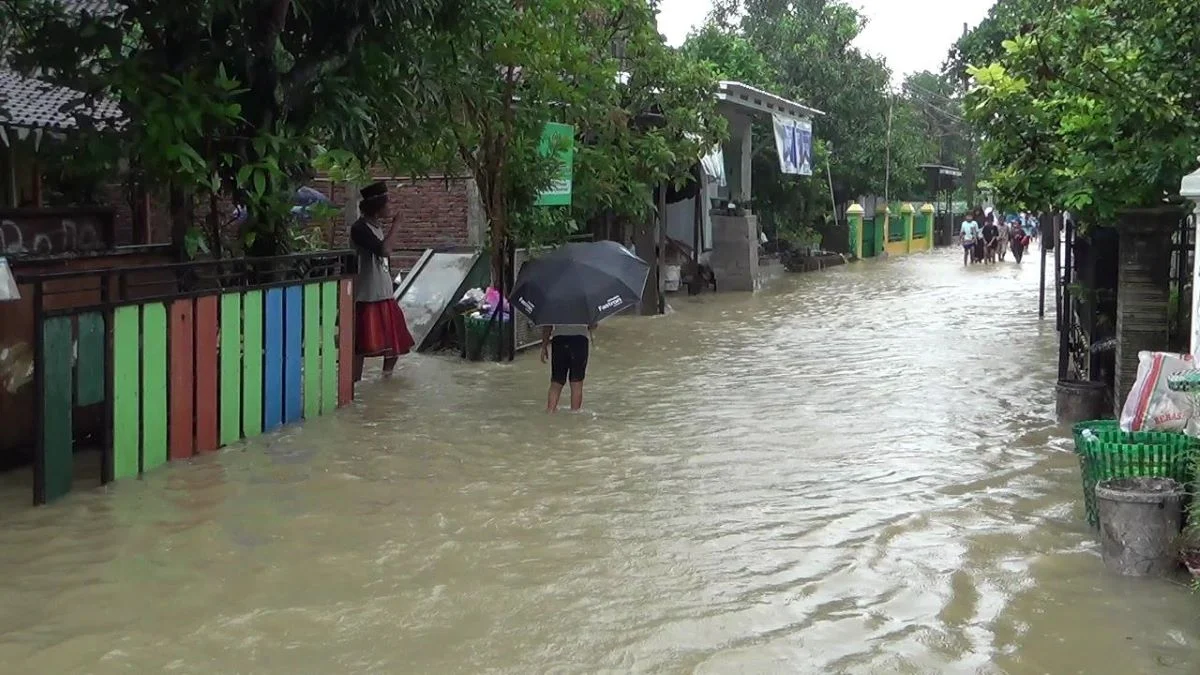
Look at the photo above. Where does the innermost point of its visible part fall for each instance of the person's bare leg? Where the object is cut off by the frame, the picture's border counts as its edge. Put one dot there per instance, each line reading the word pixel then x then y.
pixel 553 396
pixel 576 395
pixel 358 367
pixel 389 364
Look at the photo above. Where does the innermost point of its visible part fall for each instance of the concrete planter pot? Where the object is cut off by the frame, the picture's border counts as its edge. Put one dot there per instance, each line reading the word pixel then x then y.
pixel 1140 522
pixel 1080 401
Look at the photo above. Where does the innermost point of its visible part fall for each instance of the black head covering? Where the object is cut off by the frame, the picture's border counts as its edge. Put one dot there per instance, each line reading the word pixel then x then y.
pixel 374 191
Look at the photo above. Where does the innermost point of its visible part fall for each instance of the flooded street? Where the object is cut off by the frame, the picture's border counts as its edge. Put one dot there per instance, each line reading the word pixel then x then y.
pixel 854 471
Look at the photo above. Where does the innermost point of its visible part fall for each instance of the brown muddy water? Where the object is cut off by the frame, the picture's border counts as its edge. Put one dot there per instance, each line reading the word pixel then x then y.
pixel 854 471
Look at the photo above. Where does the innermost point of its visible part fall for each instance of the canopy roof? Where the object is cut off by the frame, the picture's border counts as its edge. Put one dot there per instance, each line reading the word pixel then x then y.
pixel 756 100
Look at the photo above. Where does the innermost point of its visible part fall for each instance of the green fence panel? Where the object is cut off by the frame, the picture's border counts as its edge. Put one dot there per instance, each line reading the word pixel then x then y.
pixel 126 391
pixel 154 385
pixel 89 369
pixel 57 436
pixel 329 371
pixel 252 363
pixel 231 368
pixel 312 350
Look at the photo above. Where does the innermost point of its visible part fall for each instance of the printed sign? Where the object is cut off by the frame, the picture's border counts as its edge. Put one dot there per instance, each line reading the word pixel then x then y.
pixel 562 136
pixel 793 141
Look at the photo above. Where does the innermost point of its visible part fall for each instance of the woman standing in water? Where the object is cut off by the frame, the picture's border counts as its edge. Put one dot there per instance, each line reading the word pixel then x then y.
pixel 379 326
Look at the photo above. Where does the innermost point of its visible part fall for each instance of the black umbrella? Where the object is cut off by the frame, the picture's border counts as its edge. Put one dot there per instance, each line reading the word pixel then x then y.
pixel 580 284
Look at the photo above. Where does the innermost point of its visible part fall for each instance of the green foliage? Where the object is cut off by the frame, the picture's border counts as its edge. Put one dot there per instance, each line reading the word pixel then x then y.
pixel 803 51
pixel 1089 107
pixel 239 96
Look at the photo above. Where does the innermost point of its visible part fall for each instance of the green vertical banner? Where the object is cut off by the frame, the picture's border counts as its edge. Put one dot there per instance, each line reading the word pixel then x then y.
pixel 231 368
pixel 127 388
pixel 312 351
pixel 154 385
pixel 57 436
pixel 558 140
pixel 252 363
pixel 329 369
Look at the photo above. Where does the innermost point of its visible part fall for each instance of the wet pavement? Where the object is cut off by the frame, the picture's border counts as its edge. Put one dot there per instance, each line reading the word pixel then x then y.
pixel 854 471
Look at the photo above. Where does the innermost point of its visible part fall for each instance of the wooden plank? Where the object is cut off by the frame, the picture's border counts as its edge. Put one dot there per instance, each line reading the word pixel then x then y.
pixel 183 380
pixel 126 392
pixel 252 363
pixel 231 368
pixel 293 331
pixel 154 385
pixel 329 374
pixel 57 404
pixel 207 330
pixel 273 360
pixel 89 368
pixel 346 342
pixel 312 351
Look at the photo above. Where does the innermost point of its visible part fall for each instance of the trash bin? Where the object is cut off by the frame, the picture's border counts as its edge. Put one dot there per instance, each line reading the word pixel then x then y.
pixel 1140 521
pixel 481 337
pixel 1107 453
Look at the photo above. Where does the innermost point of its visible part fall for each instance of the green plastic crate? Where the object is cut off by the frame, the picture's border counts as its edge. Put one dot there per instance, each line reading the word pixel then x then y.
pixel 1159 455
pixel 1097 426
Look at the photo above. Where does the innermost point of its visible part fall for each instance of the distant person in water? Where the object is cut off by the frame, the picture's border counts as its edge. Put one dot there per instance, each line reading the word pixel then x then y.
pixel 969 232
pixel 566 346
pixel 379 326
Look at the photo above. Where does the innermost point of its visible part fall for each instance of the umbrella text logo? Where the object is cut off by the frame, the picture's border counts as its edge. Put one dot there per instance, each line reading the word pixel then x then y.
pixel 613 302
pixel 526 304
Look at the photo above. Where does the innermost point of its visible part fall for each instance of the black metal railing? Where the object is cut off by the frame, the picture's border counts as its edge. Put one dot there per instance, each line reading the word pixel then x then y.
pixel 107 287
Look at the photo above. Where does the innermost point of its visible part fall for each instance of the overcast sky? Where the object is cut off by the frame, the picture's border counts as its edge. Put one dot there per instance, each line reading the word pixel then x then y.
pixel 912 35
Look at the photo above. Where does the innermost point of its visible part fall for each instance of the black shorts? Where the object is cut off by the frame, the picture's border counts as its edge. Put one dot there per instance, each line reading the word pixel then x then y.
pixel 568 358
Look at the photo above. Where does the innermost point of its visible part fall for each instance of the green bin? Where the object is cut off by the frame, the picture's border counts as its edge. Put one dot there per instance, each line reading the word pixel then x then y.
pixel 481 332
pixel 1116 454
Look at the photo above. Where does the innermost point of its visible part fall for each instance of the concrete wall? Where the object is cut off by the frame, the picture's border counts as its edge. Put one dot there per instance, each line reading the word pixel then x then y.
pixel 734 257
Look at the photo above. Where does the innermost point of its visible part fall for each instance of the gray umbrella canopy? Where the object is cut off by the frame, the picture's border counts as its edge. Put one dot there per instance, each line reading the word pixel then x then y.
pixel 580 283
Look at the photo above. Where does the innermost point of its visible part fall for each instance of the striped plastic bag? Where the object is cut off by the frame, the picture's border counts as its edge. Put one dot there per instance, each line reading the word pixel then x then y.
pixel 1151 405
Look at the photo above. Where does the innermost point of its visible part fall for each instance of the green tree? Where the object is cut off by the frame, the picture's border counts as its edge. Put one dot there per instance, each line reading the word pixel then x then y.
pixel 871 138
pixel 239 96
pixel 1089 107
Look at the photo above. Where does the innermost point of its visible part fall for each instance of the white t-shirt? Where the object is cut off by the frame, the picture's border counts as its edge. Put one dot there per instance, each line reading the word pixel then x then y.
pixel 570 329
pixel 969 231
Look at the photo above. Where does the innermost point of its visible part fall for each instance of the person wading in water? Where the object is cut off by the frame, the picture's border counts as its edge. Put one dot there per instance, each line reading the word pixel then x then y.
pixel 379 326
pixel 567 348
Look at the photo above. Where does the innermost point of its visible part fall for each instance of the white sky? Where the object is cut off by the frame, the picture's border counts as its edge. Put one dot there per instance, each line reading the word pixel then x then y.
pixel 912 35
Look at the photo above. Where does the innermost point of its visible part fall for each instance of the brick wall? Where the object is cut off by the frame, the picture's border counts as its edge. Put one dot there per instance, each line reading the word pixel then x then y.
pixel 428 213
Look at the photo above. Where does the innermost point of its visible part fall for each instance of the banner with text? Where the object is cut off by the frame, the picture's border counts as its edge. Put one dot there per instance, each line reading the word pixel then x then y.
pixel 793 141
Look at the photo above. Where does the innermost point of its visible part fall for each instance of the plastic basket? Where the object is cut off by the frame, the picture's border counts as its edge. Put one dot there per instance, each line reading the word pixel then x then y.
pixel 1097 427
pixel 1160 455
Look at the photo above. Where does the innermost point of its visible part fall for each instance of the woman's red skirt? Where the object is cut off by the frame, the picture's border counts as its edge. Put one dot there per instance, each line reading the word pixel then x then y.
pixel 380 329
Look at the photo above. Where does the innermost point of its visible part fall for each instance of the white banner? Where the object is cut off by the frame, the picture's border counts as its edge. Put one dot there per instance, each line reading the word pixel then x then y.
pixel 714 166
pixel 793 142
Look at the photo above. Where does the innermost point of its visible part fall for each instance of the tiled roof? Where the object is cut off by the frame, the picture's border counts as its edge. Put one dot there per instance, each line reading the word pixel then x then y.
pixel 34 104
pixel 93 7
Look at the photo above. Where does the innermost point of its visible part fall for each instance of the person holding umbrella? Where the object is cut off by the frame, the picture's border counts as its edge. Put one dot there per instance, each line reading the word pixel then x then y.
pixel 567 347
pixel 567 293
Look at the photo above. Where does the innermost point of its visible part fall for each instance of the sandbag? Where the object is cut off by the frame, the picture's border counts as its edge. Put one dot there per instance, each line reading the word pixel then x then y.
pixel 1151 405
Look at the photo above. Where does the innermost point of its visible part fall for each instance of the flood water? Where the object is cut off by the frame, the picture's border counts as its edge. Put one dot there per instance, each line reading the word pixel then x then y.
pixel 853 471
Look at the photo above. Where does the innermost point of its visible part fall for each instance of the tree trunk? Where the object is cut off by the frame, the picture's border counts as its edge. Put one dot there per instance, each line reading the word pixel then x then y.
pixel 181 219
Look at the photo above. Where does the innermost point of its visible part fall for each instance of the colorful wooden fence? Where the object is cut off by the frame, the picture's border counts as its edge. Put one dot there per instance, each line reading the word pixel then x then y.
pixel 180 376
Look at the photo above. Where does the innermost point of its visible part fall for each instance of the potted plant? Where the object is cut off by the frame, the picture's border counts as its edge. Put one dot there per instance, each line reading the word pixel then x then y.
pixel 1189 545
